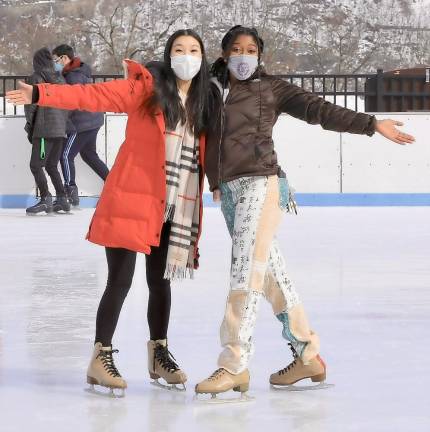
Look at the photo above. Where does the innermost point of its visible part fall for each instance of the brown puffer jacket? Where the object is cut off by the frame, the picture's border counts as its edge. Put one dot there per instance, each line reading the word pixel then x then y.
pixel 240 143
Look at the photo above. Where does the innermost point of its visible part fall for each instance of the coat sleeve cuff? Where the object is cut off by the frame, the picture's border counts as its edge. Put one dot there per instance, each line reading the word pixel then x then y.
pixel 371 126
pixel 42 93
pixel 35 95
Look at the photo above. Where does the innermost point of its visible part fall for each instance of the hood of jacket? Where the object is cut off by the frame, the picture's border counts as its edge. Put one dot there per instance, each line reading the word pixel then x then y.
pixel 42 61
pixel 77 66
pixel 43 66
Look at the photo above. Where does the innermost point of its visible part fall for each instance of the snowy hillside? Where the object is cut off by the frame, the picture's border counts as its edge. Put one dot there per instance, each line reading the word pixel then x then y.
pixel 301 35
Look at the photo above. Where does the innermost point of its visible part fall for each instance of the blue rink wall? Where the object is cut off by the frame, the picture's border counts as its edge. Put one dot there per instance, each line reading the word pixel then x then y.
pixel 303 199
pixel 325 168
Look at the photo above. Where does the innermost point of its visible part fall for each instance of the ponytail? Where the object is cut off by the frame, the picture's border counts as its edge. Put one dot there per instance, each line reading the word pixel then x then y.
pixel 219 70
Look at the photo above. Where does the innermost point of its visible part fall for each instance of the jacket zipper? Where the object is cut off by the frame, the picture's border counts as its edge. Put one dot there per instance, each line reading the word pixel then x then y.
pixel 220 177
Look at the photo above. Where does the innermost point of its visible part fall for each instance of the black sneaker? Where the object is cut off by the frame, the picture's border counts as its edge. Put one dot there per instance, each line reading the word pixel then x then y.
pixel 43 206
pixel 61 204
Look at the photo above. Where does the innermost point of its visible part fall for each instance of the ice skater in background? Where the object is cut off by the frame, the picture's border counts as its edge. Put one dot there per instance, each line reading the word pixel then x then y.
pixel 152 199
pixel 243 171
pixel 82 127
pixel 46 130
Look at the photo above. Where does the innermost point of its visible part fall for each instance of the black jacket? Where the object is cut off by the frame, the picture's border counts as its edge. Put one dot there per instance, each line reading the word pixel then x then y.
pixel 44 122
pixel 240 142
pixel 78 72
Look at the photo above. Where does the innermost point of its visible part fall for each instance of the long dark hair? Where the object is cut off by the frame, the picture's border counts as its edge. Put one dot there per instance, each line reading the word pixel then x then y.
pixel 219 67
pixel 43 65
pixel 166 95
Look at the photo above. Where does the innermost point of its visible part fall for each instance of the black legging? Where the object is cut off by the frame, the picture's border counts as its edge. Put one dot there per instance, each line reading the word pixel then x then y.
pixel 121 264
pixel 50 159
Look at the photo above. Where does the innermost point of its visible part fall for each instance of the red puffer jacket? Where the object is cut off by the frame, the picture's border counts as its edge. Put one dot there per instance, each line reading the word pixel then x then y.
pixel 130 211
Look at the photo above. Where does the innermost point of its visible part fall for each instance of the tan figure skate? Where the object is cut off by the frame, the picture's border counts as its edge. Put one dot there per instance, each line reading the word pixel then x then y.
pixel 297 371
pixel 222 381
pixel 103 372
pixel 162 364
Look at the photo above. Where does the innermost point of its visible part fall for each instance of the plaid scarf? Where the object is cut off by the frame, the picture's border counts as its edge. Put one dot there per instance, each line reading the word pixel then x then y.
pixel 182 201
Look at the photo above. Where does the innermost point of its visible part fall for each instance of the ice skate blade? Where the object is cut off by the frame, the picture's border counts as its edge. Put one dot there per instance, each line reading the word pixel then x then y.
pixel 40 214
pixel 62 212
pixel 300 388
pixel 111 394
pixel 169 387
pixel 215 400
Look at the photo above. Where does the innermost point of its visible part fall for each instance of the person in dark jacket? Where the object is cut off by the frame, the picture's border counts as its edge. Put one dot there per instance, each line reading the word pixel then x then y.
pixel 82 127
pixel 46 130
pixel 243 171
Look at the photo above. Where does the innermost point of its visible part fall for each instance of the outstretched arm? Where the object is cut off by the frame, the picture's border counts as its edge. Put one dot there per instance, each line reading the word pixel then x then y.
pixel 113 96
pixel 313 109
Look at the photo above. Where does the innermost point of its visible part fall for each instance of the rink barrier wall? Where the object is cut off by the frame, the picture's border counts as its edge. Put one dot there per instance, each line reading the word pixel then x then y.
pixel 325 168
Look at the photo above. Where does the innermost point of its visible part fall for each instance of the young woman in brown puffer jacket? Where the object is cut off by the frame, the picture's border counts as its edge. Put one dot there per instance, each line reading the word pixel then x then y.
pixel 243 172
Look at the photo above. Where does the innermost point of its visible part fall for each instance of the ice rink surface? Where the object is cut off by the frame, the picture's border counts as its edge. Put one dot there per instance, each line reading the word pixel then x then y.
pixel 363 275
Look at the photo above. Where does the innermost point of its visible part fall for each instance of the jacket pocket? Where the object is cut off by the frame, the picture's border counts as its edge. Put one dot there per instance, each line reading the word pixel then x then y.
pixel 265 154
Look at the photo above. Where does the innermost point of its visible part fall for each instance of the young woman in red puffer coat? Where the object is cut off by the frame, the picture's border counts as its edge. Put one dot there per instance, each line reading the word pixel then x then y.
pixel 152 199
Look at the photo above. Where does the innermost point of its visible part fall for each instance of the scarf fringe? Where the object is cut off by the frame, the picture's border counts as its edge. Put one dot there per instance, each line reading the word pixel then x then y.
pixel 174 272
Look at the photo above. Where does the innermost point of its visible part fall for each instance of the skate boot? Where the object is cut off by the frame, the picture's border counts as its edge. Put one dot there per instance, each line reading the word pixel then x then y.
pixel 72 194
pixel 222 381
pixel 297 371
pixel 61 204
pixel 103 372
pixel 161 364
pixel 67 192
pixel 43 206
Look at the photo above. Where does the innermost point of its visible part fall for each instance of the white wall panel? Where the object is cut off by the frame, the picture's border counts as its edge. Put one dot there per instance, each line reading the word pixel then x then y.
pixel 15 151
pixel 309 154
pixel 379 166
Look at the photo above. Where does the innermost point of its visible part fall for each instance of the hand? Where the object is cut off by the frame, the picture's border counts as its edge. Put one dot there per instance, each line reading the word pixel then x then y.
pixel 216 195
pixel 22 96
pixel 387 128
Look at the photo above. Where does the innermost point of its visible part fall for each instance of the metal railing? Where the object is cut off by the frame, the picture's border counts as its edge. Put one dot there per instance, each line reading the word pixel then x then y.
pixel 399 91
pixel 354 91
pixel 346 90
pixel 9 82
pixel 339 88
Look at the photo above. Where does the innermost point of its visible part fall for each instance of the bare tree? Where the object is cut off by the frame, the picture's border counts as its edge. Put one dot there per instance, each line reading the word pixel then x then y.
pixel 129 30
pixel 339 36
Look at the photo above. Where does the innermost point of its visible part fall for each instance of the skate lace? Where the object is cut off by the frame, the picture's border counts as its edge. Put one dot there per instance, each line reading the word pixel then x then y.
pixel 293 363
pixel 216 374
pixel 165 358
pixel 108 363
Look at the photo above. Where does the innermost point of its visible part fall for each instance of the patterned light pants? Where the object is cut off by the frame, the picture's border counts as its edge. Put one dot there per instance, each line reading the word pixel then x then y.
pixel 252 211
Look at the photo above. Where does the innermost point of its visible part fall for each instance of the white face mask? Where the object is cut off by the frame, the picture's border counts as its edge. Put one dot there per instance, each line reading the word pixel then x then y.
pixel 186 67
pixel 242 66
